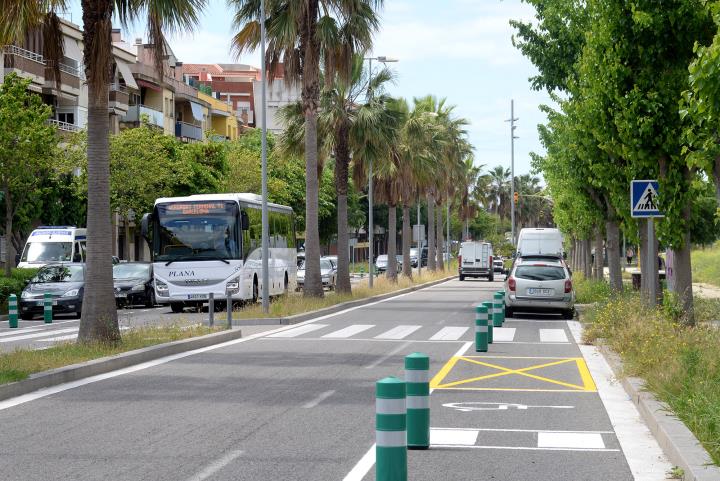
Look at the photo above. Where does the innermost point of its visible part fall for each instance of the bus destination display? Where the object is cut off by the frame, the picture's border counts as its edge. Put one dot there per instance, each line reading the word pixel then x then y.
pixel 195 208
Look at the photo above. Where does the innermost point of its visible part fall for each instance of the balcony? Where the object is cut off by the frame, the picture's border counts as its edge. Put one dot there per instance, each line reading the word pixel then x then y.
pixel 188 131
pixel 119 98
pixel 69 79
pixel 64 126
pixel 25 62
pixel 155 117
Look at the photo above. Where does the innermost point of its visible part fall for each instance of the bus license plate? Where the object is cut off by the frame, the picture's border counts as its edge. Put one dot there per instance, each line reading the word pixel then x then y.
pixel 197 296
pixel 534 291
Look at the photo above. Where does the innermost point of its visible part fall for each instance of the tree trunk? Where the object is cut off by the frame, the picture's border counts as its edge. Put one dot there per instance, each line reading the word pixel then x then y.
pixel 310 51
pixel 431 232
pixel 392 243
pixel 342 161
pixel 439 233
pixel 599 275
pixel 716 178
pixel 587 258
pixel 574 254
pixel 126 240
pixel 99 314
pixel 9 248
pixel 406 241
pixel 613 251
pixel 682 263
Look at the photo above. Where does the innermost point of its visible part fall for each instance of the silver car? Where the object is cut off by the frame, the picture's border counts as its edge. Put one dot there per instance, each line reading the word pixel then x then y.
pixel 328 273
pixel 539 285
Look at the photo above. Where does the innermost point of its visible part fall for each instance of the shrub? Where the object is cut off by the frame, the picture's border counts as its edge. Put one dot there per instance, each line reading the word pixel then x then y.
pixel 588 291
pixel 14 285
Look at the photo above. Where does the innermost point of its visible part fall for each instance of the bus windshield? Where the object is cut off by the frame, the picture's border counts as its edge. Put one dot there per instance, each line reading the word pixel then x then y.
pixel 47 252
pixel 199 230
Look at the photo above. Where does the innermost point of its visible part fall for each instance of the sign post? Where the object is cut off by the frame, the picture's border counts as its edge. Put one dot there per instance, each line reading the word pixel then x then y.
pixel 643 204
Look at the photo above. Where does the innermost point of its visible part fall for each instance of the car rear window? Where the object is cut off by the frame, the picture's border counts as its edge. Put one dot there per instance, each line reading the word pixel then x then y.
pixel 540 273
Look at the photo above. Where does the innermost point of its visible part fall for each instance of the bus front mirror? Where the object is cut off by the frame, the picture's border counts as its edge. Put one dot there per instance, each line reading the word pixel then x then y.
pixel 244 220
pixel 145 226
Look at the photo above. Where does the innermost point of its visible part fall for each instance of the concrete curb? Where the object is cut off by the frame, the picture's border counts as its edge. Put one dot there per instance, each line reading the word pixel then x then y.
pixel 677 442
pixel 106 364
pixel 294 319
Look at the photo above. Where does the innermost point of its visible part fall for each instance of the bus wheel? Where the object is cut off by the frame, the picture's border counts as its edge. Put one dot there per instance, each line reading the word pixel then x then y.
pixel 286 286
pixel 255 291
pixel 177 307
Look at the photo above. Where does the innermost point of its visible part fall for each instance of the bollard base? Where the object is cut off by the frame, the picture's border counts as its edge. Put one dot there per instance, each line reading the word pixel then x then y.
pixel 418 447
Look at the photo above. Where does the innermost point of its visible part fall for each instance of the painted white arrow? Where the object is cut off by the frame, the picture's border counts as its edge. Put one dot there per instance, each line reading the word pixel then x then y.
pixel 495 406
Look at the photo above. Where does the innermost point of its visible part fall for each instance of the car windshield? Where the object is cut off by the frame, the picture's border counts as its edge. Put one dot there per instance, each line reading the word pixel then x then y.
pixel 540 273
pixel 413 252
pixel 325 264
pixel 382 258
pixel 47 252
pixel 59 274
pixel 131 271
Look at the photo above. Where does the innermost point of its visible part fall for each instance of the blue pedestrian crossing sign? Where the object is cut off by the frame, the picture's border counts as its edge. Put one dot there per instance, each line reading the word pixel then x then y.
pixel 643 198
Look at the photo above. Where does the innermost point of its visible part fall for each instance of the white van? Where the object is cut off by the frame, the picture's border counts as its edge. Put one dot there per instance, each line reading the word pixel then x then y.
pixel 476 260
pixel 540 241
pixel 49 244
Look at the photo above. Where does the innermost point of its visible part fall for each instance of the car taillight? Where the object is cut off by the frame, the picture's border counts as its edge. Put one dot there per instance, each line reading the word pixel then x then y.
pixel 568 286
pixel 511 284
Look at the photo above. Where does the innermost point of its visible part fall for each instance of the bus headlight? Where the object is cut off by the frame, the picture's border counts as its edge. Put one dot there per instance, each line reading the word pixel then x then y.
pixel 138 287
pixel 233 285
pixel 162 288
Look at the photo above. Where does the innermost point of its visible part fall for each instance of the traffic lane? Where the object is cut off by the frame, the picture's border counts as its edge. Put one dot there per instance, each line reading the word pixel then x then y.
pixel 169 421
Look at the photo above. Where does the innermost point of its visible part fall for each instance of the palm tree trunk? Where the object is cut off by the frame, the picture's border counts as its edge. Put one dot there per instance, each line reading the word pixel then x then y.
pixel 99 315
pixel 431 231
pixel 440 237
pixel 310 47
pixel 406 239
pixel 392 243
pixel 342 161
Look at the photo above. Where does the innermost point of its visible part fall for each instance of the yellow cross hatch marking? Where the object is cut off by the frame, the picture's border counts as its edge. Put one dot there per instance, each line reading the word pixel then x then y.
pixel 587 382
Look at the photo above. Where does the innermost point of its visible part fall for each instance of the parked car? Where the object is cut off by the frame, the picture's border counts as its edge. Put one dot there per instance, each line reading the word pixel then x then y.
pixel 543 285
pixel 414 257
pixel 476 260
pixel 381 263
pixel 300 259
pixel 328 274
pixel 134 284
pixel 499 265
pixel 64 282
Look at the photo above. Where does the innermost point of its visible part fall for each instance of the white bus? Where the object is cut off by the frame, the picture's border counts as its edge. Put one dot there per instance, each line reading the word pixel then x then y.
pixel 212 243
pixel 49 244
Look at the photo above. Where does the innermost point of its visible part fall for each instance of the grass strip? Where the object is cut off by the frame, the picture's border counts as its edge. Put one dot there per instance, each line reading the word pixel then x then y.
pixel 706 265
pixel 19 364
pixel 296 303
pixel 680 364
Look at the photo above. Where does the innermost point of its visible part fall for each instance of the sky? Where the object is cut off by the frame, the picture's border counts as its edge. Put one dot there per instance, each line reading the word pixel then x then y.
pixel 458 49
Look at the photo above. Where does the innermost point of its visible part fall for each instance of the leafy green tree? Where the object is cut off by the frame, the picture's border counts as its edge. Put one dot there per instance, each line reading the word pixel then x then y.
pixel 27 143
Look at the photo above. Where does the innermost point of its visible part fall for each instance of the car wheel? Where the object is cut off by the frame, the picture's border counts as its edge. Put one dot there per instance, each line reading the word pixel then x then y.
pixel 462 277
pixel 569 314
pixel 177 307
pixel 26 316
pixel 509 312
pixel 255 291
pixel 77 315
pixel 150 299
pixel 491 278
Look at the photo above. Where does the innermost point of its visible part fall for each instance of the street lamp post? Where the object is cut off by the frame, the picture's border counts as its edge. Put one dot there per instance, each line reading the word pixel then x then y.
pixel 512 121
pixel 263 124
pixel 371 227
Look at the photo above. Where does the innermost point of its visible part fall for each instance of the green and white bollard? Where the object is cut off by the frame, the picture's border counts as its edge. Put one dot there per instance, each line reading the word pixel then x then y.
pixel 417 379
pixel 481 329
pixel 47 308
pixel 491 309
pixel 497 310
pixel 390 430
pixel 502 305
pixel 13 311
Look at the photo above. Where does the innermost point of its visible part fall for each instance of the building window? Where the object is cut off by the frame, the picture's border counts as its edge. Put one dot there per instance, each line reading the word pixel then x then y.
pixel 67 117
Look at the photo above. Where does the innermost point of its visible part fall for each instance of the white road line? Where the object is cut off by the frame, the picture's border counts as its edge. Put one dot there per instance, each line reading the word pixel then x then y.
pixel 454 437
pixel 644 456
pixel 399 332
pixel 298 331
pixel 19 332
pixel 296 339
pixel 323 396
pixel 358 472
pixel 40 334
pixel 216 466
pixel 503 334
pixel 388 355
pixel 349 331
pixel 449 333
pixel 533 343
pixel 528 448
pixel 553 335
pixel 509 430
pixel 570 440
pixel 59 338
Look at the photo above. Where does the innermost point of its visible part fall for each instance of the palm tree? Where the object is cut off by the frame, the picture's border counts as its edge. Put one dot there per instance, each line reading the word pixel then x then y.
pixel 468 188
pixel 500 190
pixel 99 315
pixel 300 34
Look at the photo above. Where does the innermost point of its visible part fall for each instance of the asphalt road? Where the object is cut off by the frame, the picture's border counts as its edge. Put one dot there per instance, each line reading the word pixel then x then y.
pixel 297 403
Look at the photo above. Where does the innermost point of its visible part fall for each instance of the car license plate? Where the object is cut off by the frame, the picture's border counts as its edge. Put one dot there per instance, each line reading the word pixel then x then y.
pixel 534 291
pixel 120 295
pixel 197 296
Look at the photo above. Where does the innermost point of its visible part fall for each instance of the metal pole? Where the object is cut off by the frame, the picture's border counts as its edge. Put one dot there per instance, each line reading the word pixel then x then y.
pixel 263 124
pixel 652 266
pixel 447 239
pixel 419 240
pixel 211 309
pixel 229 309
pixel 512 171
pixel 370 194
